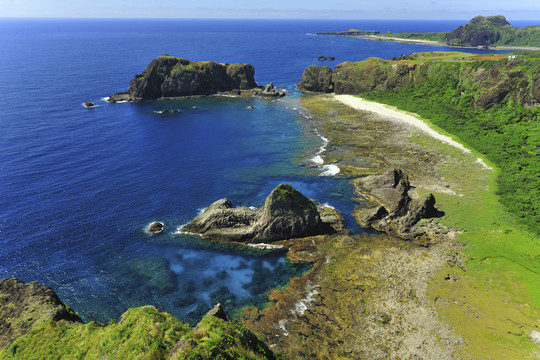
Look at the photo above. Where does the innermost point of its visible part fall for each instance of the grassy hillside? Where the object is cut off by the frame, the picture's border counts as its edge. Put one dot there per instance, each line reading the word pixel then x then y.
pixel 142 333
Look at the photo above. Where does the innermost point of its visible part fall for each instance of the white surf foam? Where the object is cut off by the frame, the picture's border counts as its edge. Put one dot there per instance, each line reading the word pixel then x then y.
pixel 330 170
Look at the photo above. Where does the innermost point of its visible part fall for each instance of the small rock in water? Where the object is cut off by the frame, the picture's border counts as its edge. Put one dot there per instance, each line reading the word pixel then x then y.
pixel 250 107
pixel 89 104
pixel 170 111
pixel 155 228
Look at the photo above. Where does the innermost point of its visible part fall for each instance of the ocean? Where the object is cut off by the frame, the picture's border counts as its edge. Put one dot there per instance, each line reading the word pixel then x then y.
pixel 78 186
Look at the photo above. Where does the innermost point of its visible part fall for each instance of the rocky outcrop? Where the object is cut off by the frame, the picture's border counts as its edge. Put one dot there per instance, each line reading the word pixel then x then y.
pixel 23 305
pixel 487 83
pixel 155 227
pixel 89 104
pixel 480 31
pixel 286 214
pixel 397 213
pixel 169 77
pixel 317 79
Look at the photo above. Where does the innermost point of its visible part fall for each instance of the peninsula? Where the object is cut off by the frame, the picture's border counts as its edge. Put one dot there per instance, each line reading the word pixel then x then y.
pixel 487 32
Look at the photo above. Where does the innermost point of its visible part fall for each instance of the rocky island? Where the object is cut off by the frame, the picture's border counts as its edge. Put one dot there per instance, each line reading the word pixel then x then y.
pixel 286 214
pixel 173 77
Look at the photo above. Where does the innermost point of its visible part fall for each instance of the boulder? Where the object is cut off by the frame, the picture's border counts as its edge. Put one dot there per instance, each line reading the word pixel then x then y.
pixel 170 111
pixel 218 312
pixel 286 214
pixel 89 104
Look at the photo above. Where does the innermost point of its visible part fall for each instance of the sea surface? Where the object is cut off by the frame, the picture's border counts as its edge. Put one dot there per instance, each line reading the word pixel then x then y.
pixel 78 186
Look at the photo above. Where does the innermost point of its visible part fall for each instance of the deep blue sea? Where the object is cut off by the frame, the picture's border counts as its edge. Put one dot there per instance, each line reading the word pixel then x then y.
pixel 78 186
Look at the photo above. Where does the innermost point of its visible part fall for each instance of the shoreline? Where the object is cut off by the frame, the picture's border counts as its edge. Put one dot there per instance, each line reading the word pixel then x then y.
pixel 437 43
pixel 393 114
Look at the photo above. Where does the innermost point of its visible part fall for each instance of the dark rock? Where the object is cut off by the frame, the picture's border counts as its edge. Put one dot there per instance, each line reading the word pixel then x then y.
pixel 286 214
pixel 398 212
pixel 89 104
pixel 321 58
pixel 218 312
pixel 155 227
pixel 167 77
pixel 22 306
pixel 250 107
pixel 170 111
pixel 317 79
pixel 330 58
pixel 270 91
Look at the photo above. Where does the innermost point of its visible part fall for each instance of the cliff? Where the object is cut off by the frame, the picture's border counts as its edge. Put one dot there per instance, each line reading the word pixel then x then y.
pixel 35 324
pixel 286 214
pixel 488 80
pixel 169 77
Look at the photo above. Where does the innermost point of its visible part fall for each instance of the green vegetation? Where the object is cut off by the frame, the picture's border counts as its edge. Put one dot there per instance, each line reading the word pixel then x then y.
pixel 508 133
pixel 431 36
pixel 143 333
pixel 480 31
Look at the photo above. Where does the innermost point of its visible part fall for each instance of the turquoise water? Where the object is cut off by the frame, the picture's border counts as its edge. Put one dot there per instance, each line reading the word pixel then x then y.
pixel 78 186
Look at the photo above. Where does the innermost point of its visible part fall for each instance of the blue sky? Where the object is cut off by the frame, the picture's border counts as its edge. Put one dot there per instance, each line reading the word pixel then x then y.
pixel 327 9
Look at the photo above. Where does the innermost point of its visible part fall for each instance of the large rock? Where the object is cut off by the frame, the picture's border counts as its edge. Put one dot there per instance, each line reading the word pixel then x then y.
pixel 169 77
pixel 397 213
pixel 286 214
pixel 22 306
pixel 317 79
pixel 480 31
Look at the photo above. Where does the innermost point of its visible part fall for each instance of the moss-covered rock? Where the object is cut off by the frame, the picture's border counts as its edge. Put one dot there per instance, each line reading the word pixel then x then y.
pixel 168 76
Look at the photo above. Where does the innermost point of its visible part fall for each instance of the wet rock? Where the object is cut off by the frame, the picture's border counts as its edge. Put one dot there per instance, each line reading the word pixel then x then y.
pixel 250 107
pixel 170 111
pixel 286 214
pixel 89 104
pixel 155 227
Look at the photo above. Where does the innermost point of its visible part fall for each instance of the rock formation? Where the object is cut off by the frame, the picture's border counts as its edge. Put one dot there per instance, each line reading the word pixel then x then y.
pixel 24 305
pixel 169 77
pixel 397 213
pixel 480 31
pixel 89 104
pixel 155 227
pixel 286 214
pixel 488 83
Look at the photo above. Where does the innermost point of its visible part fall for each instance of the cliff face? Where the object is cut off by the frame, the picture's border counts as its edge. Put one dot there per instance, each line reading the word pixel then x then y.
pixel 488 82
pixel 168 76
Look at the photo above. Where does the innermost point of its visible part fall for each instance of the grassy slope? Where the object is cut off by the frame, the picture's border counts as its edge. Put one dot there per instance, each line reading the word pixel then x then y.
pixel 497 300
pixel 143 333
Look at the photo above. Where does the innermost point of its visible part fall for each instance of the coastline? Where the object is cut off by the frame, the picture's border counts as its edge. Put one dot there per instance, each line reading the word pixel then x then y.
pixel 437 43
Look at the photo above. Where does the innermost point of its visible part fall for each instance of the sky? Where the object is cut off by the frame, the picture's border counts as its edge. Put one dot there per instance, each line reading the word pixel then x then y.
pixel 309 9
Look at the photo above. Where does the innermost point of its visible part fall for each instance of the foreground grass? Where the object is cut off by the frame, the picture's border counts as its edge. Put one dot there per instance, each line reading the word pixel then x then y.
pixel 143 333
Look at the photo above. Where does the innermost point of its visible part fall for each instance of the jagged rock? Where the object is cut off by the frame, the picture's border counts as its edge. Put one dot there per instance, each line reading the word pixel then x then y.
pixel 218 312
pixel 398 212
pixel 321 58
pixel 168 76
pixel 270 91
pixel 89 104
pixel 24 305
pixel 286 214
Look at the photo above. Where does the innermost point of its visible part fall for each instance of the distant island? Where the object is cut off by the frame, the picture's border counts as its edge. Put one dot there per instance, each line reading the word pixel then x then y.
pixel 481 32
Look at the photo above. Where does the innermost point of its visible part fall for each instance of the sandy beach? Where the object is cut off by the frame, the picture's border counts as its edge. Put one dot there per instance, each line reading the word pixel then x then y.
pixel 392 114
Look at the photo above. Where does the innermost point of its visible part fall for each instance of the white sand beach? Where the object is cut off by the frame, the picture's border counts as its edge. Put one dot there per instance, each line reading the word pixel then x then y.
pixel 393 114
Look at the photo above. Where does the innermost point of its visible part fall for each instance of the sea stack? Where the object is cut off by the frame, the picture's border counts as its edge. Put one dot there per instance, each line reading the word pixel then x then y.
pixel 286 214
